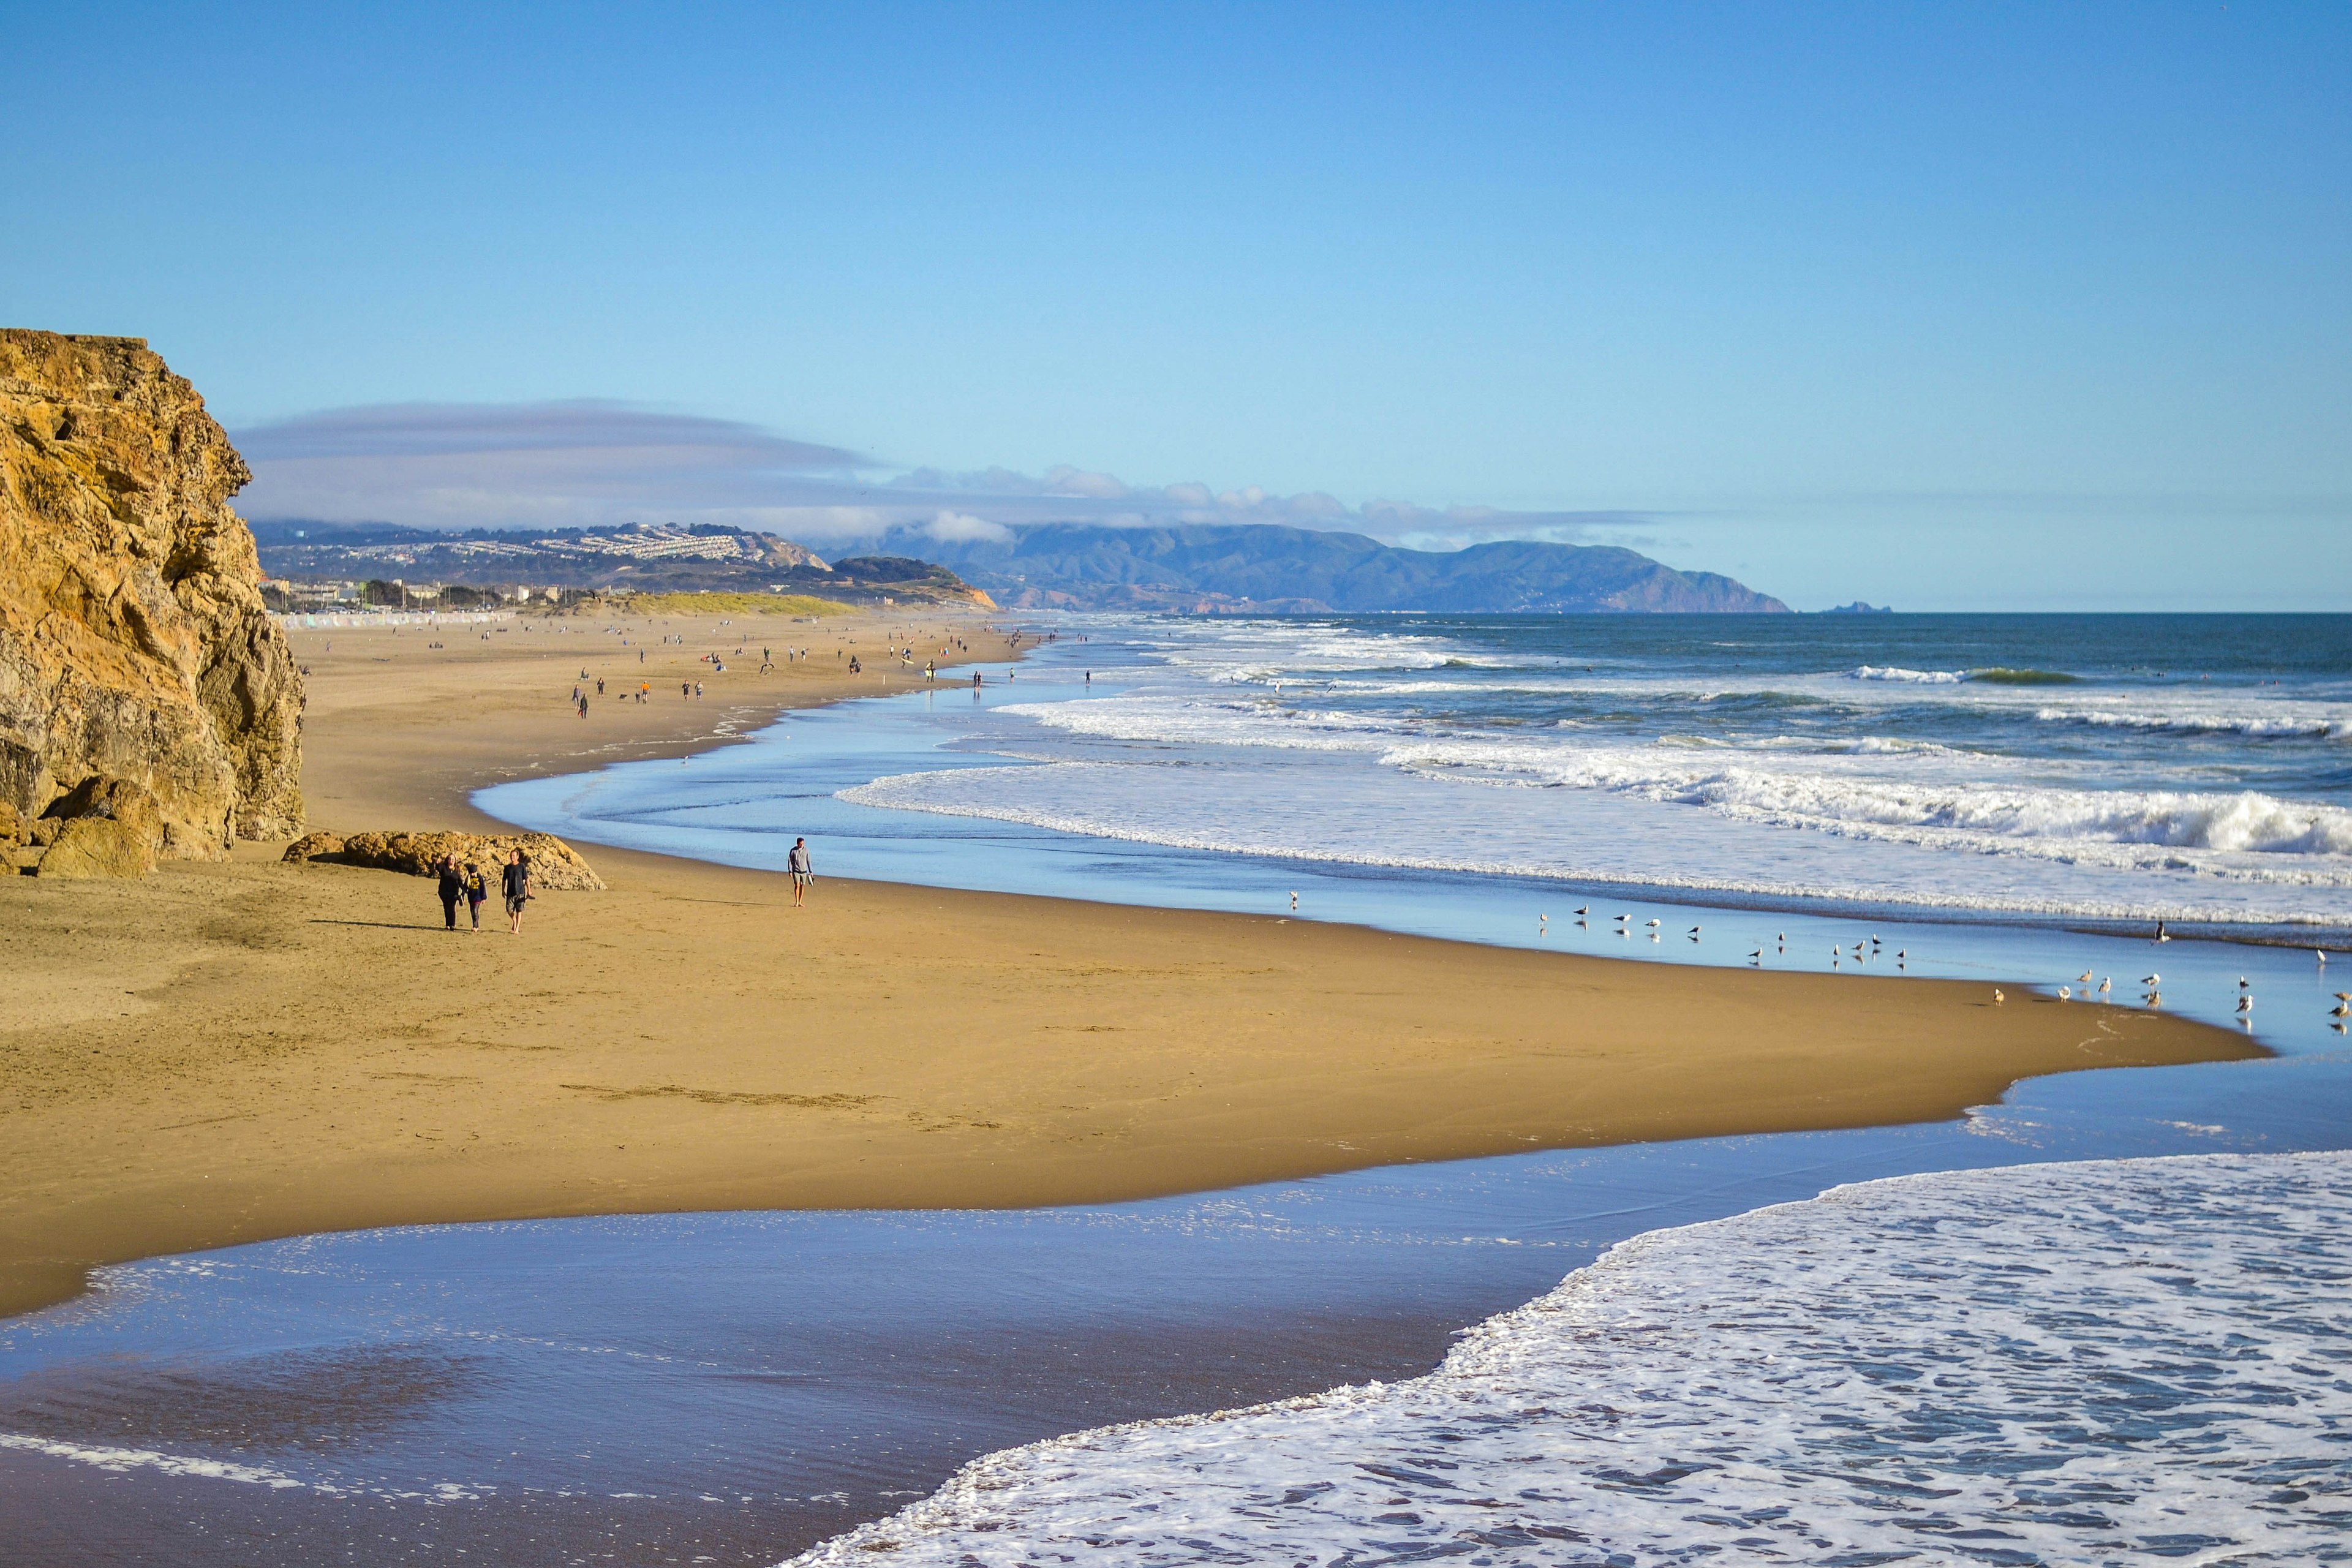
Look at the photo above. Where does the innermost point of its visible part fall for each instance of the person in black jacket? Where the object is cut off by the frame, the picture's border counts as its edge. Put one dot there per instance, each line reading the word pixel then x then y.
pixel 452 889
pixel 515 881
pixel 477 892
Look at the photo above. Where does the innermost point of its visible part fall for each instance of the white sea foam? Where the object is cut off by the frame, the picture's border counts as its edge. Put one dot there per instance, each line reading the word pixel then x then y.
pixel 1909 677
pixel 108 1457
pixel 2066 1364
pixel 2274 719
pixel 1862 786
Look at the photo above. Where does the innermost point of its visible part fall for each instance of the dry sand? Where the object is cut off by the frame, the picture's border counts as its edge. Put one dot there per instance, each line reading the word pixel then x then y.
pixel 226 1053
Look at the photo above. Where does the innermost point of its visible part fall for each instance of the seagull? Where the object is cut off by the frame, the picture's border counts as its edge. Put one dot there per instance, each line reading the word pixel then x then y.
pixel 2245 1005
pixel 2083 978
pixel 2107 984
pixel 1622 919
pixel 2344 995
pixel 2320 954
pixel 1583 908
pixel 1294 901
pixel 1651 923
pixel 2243 985
pixel 2065 994
pixel 1997 996
pixel 1901 953
pixel 2342 1010
pixel 1756 955
pixel 2151 980
pixel 1693 933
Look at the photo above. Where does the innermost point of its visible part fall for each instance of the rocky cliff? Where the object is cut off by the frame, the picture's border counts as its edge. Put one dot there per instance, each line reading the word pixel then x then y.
pixel 141 683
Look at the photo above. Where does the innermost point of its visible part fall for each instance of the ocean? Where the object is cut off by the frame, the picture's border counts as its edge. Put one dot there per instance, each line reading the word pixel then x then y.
pixel 1966 1354
pixel 2197 769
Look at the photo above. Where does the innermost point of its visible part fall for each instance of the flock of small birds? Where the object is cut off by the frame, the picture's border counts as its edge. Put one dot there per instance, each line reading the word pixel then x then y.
pixel 2151 984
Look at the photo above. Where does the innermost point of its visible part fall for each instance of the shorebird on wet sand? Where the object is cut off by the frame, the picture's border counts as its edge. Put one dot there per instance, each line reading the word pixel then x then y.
pixel 2083 978
pixel 2246 1003
pixel 1997 995
pixel 2106 984
pixel 2065 994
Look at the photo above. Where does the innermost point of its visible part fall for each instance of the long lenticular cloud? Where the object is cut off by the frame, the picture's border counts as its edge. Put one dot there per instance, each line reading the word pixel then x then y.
pixel 594 462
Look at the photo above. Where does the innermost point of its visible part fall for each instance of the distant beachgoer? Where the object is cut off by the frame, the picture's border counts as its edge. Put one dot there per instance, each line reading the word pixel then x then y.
pixel 477 891
pixel 975 680
pixel 686 689
pixel 698 691
pixel 1090 677
pixel 600 686
pixel 452 887
pixel 801 875
pixel 515 882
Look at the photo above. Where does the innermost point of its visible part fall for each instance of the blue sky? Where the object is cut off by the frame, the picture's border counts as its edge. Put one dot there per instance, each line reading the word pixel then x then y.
pixel 1956 306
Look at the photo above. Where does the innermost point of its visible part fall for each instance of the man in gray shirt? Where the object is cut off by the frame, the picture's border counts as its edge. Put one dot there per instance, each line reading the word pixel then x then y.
pixel 802 875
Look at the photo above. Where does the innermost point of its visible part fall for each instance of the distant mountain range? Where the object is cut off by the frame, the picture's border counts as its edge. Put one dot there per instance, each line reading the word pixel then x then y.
pixel 1268 570
pixel 1202 569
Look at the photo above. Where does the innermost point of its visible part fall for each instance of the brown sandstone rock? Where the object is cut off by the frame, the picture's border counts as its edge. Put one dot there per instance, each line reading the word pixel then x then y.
pixel 555 866
pixel 106 827
pixel 133 644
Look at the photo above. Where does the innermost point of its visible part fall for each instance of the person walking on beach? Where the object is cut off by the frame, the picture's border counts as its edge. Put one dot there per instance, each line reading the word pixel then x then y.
pixel 478 890
pixel 451 889
pixel 515 881
pixel 802 875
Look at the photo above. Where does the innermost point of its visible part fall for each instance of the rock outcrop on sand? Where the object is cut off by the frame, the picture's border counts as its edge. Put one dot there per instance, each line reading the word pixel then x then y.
pixel 149 707
pixel 555 866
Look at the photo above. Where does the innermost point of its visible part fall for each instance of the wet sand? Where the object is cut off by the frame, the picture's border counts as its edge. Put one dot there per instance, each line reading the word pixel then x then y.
pixel 224 1053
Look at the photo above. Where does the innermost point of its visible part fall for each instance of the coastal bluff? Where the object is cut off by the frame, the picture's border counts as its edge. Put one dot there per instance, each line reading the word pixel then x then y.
pixel 150 709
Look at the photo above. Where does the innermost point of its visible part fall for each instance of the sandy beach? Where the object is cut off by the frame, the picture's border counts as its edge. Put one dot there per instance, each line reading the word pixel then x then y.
pixel 235 1051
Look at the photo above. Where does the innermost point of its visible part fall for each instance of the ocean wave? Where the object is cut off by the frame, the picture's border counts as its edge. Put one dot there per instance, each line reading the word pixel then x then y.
pixel 2057 821
pixel 1864 787
pixel 2273 721
pixel 1106 800
pixel 1908 676
pixel 2083 1364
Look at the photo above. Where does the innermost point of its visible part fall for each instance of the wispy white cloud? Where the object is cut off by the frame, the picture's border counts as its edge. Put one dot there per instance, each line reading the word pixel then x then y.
pixel 962 527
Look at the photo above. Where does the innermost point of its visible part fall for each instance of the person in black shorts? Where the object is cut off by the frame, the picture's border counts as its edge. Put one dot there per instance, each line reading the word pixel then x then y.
pixel 515 882
pixel 452 887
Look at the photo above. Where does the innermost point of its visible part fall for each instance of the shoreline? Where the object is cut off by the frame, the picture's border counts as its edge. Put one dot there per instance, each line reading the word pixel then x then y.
pixel 246 1050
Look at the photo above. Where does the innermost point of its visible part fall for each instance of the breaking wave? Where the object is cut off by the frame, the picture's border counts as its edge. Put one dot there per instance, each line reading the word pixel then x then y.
pixel 2088 1363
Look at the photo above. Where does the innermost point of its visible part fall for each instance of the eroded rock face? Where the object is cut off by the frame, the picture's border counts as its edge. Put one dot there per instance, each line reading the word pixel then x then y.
pixel 134 648
pixel 555 866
